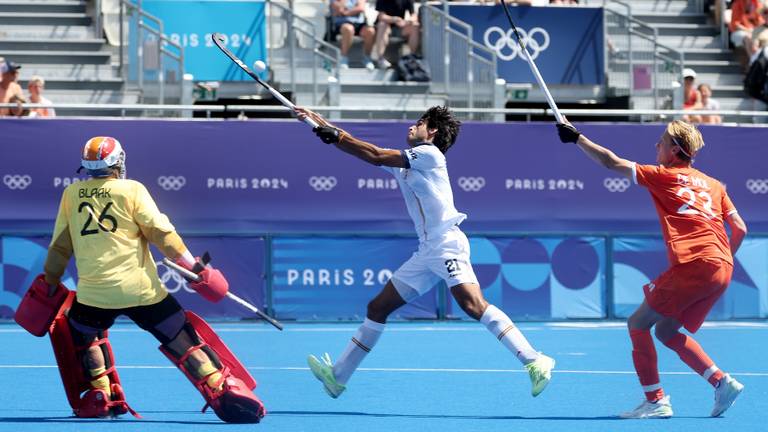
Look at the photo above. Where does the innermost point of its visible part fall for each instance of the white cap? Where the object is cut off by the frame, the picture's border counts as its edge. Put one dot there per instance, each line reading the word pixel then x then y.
pixel 688 72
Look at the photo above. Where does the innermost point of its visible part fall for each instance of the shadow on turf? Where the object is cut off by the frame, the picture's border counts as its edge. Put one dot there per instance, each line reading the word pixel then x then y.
pixel 432 416
pixel 73 419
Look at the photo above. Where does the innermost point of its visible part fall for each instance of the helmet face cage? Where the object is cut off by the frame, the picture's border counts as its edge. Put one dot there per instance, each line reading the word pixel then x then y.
pixel 120 166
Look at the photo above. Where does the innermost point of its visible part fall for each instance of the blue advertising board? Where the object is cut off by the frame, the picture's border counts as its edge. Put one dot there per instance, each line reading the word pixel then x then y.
pixel 335 278
pixel 540 277
pixel 190 23
pixel 21 260
pixel 242 260
pixel 639 260
pixel 566 43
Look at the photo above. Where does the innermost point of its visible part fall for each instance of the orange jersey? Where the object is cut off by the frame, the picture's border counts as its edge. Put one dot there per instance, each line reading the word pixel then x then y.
pixel 692 208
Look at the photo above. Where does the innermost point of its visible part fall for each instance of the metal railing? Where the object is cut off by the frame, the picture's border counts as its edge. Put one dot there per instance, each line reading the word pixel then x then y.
pixel 638 64
pixel 462 69
pixel 645 115
pixel 294 42
pixel 720 7
pixel 152 60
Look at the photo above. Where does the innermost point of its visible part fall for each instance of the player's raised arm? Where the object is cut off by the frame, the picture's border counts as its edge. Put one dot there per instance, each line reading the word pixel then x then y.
pixel 366 151
pixel 596 152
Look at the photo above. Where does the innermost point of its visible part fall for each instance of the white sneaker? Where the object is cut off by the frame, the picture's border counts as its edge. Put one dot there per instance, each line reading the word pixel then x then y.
pixel 726 394
pixel 662 408
pixel 384 63
pixel 344 62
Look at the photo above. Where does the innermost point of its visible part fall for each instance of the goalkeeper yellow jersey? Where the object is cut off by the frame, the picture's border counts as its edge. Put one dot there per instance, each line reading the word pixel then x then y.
pixel 108 223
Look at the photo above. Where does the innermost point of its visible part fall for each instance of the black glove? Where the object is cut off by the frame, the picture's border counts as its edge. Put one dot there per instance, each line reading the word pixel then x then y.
pixel 328 134
pixel 568 133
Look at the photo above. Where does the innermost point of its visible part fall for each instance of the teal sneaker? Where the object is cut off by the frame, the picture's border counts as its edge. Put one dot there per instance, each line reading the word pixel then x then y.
pixel 540 371
pixel 323 370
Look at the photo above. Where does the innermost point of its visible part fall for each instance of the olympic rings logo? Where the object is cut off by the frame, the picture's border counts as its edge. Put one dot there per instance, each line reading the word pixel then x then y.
pixel 616 184
pixel 757 186
pixel 322 183
pixel 172 281
pixel 505 43
pixel 171 182
pixel 471 184
pixel 17 181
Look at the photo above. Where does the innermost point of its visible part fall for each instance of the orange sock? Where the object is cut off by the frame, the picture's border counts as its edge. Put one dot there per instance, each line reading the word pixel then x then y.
pixel 693 355
pixel 644 357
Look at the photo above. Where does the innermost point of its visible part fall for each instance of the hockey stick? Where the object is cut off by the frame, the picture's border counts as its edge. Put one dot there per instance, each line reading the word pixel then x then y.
pixel 189 275
pixel 534 69
pixel 219 39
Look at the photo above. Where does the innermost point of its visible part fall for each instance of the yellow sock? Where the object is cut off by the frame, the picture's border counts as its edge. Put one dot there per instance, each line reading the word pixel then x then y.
pixel 101 383
pixel 213 374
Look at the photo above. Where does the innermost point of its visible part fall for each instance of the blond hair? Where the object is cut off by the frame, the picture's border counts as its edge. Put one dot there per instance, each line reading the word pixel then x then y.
pixel 37 79
pixel 687 137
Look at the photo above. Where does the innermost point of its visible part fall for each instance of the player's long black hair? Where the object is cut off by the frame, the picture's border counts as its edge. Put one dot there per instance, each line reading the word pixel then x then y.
pixel 441 118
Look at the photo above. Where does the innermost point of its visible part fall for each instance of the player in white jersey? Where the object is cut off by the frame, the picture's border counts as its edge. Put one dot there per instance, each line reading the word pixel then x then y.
pixel 443 251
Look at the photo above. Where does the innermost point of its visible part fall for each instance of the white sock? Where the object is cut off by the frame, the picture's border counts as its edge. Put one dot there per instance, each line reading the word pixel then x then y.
pixel 499 324
pixel 360 345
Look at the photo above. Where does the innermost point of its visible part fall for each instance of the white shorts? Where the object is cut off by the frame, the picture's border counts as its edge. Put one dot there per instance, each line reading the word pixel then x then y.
pixel 446 258
pixel 737 38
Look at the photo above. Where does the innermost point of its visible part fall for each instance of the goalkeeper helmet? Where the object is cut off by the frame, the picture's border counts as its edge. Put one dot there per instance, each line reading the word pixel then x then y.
pixel 101 155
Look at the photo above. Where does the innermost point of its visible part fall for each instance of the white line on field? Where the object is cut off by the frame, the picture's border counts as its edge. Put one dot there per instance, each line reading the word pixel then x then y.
pixel 407 328
pixel 425 370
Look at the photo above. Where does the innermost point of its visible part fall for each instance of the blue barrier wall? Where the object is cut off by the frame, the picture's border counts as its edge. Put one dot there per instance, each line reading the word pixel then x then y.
pixel 277 177
pixel 312 233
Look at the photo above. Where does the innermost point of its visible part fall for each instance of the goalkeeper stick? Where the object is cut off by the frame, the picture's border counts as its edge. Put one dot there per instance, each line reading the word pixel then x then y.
pixel 196 277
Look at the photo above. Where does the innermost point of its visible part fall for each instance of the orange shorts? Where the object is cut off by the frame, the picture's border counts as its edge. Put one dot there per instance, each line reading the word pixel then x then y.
pixel 688 291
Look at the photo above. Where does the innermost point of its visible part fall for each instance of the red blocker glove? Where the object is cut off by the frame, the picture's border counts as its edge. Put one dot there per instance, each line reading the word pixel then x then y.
pixel 213 286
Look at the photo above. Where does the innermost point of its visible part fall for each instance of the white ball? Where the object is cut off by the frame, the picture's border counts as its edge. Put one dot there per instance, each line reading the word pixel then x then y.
pixel 259 66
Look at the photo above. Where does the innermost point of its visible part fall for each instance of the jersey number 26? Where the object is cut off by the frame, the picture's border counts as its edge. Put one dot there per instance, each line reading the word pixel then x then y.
pixel 104 216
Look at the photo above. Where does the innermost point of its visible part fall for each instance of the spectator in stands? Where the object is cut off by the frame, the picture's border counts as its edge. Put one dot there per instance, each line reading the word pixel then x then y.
pixel 349 20
pixel 35 88
pixel 392 14
pixel 707 103
pixel 745 16
pixel 756 81
pixel 761 32
pixel 691 96
pixel 18 110
pixel 9 86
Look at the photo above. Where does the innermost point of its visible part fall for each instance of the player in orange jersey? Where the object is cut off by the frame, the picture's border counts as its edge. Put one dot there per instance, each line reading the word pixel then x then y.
pixel 692 209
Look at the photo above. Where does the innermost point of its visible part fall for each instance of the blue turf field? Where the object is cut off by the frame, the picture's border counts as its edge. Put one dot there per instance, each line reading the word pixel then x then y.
pixel 420 377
